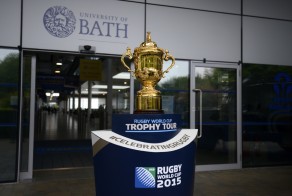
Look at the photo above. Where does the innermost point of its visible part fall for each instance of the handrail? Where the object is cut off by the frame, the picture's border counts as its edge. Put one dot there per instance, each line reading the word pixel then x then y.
pixel 200 114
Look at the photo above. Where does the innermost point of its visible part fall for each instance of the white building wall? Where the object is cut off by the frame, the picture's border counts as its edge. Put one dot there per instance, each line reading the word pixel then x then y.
pixel 191 34
pixel 267 41
pixel 10 18
pixel 229 6
pixel 267 37
pixel 209 29
pixel 280 9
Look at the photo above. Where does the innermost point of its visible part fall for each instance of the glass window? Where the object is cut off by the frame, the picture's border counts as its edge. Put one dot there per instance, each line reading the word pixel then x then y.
pixel 9 76
pixel 267 115
pixel 175 90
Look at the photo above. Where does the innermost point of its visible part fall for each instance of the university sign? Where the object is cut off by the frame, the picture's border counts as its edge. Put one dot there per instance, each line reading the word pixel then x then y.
pixel 103 25
pixel 107 26
pixel 61 22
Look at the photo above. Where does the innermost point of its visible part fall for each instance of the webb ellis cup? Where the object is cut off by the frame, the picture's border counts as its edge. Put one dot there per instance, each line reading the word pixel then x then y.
pixel 148 61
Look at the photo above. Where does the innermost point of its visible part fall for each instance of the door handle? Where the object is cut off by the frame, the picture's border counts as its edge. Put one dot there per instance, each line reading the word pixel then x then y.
pixel 200 112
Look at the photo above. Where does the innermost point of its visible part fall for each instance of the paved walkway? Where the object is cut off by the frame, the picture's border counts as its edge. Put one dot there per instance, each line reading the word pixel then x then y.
pixel 274 181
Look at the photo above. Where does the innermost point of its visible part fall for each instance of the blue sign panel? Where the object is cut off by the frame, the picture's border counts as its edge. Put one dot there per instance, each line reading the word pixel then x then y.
pixel 136 159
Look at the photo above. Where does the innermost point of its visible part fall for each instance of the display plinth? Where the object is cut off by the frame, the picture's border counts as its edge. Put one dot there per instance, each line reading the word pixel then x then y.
pixel 145 154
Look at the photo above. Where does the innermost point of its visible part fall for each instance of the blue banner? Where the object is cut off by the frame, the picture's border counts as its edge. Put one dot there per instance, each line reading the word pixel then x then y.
pixel 144 155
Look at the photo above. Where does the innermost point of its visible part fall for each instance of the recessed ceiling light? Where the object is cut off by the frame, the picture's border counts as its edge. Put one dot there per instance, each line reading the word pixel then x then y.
pixel 48 94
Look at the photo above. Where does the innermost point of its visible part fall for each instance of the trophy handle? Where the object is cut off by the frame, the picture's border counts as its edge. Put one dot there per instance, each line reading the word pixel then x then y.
pixel 166 58
pixel 127 54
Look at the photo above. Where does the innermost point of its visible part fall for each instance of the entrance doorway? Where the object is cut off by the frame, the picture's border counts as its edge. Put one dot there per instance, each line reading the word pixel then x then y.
pixel 67 96
pixel 215 112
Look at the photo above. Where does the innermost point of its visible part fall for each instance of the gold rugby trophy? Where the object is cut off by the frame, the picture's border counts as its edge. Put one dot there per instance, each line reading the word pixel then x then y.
pixel 148 61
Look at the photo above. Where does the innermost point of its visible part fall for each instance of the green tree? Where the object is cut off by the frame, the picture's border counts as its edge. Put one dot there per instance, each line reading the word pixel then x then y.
pixel 9 80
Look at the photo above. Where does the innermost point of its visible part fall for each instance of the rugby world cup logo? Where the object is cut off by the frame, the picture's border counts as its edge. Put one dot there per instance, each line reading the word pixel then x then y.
pixel 59 21
pixel 145 177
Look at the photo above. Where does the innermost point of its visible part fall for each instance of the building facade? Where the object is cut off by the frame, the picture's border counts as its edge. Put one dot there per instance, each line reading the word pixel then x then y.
pixel 232 78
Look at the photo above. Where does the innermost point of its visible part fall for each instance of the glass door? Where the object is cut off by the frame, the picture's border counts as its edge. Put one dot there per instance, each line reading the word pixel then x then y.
pixel 216 115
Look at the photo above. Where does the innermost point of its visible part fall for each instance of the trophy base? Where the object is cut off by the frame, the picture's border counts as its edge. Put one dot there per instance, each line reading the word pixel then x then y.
pixel 148 112
pixel 148 104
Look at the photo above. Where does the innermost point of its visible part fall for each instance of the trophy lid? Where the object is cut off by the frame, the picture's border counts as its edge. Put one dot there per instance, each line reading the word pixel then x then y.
pixel 148 42
pixel 148 46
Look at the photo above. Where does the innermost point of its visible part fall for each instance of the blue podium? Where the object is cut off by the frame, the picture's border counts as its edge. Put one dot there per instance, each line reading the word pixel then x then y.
pixel 143 155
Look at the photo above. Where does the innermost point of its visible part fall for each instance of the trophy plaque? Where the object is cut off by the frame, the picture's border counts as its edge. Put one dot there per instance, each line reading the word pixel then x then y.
pixel 148 61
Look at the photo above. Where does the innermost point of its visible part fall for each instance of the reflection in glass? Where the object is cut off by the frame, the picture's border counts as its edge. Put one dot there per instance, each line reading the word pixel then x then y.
pixel 219 126
pixel 9 66
pixel 79 114
pixel 267 115
pixel 69 107
pixel 174 88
